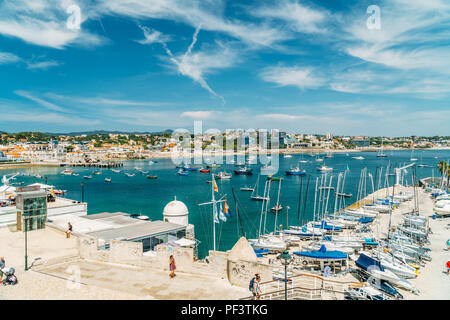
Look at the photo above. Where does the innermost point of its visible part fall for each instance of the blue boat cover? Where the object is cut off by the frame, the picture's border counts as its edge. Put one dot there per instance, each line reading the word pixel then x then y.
pixel 261 251
pixel 364 262
pixel 322 253
pixel 365 220
pixel 325 226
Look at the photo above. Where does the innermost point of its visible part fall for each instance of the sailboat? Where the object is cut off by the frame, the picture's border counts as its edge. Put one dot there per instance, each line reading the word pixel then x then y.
pixel 278 206
pixel 255 195
pixel 381 153
pixel 412 156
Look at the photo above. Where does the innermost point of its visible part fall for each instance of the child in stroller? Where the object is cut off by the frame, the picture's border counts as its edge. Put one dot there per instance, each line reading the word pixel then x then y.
pixel 10 279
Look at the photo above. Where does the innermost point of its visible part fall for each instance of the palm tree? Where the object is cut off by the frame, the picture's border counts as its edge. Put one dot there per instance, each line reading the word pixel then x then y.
pixel 444 167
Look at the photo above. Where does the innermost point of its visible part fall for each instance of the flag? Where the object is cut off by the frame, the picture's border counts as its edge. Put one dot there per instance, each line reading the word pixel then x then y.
pixel 216 189
pixel 216 220
pixel 226 209
pixel 221 215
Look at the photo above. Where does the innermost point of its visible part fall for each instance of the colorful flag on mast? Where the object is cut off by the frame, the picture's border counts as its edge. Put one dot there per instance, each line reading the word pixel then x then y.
pixel 226 208
pixel 216 189
pixel 221 215
pixel 216 220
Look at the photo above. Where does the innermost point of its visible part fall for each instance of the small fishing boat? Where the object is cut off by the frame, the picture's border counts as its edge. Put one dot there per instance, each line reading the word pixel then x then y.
pixel 59 192
pixel 189 168
pixel 243 171
pixel 75 174
pixel 129 174
pixel 213 166
pixel 152 177
pixel 324 168
pixel 223 175
pixel 87 177
pixel 115 170
pixel 107 179
pixel 137 168
pixel 202 170
pixel 358 158
pixel 276 208
pixel 287 156
pixel 97 172
pixel 247 189
pixel 67 172
pixel 344 195
pixel 182 172
pixel 295 172
pixel 151 162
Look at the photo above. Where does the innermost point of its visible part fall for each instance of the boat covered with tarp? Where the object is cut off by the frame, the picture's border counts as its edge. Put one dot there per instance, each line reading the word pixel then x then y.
pixel 322 254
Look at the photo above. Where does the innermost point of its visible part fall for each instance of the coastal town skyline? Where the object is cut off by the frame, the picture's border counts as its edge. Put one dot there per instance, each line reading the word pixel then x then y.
pixel 150 65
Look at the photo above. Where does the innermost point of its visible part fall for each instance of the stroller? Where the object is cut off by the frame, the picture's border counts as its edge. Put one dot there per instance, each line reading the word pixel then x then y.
pixel 10 279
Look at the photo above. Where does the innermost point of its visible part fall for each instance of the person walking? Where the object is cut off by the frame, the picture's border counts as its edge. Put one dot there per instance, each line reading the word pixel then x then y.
pixel 172 266
pixel 255 288
pixel 69 230
pixel 2 266
pixel 448 244
pixel 448 267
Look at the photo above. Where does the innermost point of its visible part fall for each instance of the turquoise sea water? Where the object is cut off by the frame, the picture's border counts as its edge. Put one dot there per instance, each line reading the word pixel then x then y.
pixel 141 195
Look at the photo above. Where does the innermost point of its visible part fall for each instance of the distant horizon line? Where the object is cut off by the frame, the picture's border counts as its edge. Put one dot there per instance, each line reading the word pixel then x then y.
pixel 100 131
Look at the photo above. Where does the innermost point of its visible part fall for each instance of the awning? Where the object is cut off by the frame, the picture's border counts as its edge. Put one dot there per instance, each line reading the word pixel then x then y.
pixel 183 242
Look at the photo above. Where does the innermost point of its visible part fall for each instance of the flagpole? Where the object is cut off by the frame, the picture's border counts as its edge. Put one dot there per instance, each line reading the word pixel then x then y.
pixel 214 210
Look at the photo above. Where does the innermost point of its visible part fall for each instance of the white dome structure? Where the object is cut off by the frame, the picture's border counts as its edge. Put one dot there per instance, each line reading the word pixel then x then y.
pixel 176 212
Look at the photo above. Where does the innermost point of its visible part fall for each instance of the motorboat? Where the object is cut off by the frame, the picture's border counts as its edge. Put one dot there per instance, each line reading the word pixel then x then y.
pixel 87 177
pixel 276 208
pixel 67 172
pixel 182 172
pixel 129 174
pixel 364 293
pixel 243 171
pixel 247 189
pixel 324 168
pixel 377 270
pixel 223 175
pixel 287 156
pixel 358 158
pixel 115 170
pixel 107 179
pixel 97 173
pixel 152 177
pixel 202 170
pixel 295 172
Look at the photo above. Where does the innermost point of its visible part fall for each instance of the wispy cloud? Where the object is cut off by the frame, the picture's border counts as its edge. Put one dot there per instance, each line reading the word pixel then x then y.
pixel 152 36
pixel 199 115
pixel 42 102
pixel 42 65
pixel 295 15
pixel 301 77
pixel 103 101
pixel 43 23
pixel 6 57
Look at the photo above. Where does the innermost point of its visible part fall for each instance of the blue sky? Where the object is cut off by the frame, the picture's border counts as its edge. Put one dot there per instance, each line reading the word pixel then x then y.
pixel 299 66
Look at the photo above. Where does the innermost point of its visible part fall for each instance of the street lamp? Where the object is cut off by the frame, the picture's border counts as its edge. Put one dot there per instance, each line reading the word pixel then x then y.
pixel 82 191
pixel 285 259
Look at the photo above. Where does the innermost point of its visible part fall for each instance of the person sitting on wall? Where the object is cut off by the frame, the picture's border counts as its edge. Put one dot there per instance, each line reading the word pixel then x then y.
pixel 69 230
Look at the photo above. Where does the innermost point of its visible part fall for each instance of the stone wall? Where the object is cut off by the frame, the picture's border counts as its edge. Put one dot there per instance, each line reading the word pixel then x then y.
pixel 238 271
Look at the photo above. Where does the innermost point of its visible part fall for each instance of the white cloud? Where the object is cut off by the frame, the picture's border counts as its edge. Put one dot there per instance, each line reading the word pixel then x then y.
pixel 208 14
pixel 43 23
pixel 300 77
pixel 42 102
pixel 296 16
pixel 105 101
pixel 6 57
pixel 152 36
pixel 43 65
pixel 199 115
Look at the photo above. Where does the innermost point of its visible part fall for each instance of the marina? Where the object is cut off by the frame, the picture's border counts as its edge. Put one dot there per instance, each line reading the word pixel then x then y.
pixel 322 230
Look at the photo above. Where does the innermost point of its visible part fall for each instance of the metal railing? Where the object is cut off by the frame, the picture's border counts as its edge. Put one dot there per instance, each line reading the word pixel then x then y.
pixel 305 287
